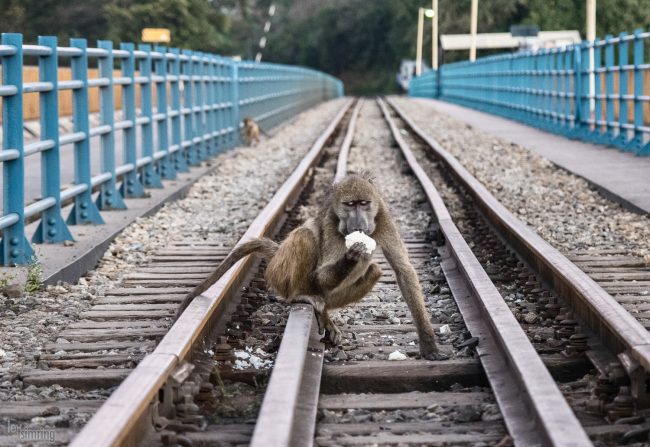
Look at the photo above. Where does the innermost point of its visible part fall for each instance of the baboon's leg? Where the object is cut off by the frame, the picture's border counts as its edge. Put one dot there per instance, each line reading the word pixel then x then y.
pixel 356 291
pixel 409 284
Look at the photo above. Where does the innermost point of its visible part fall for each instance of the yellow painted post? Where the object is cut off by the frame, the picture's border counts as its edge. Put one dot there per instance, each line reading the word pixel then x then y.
pixel 434 35
pixel 473 26
pixel 418 60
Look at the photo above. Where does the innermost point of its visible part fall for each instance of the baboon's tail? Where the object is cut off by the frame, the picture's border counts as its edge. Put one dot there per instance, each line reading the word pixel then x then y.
pixel 264 248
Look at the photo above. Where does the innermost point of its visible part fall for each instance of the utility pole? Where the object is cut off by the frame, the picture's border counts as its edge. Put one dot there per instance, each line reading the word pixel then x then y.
pixel 591 37
pixel 418 57
pixel 473 23
pixel 434 35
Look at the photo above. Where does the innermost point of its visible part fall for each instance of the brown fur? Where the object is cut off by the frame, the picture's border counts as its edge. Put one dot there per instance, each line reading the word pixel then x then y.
pixel 251 131
pixel 313 265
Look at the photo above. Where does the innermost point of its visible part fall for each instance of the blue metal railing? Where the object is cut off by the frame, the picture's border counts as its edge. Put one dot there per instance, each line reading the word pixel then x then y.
pixel 580 91
pixel 200 100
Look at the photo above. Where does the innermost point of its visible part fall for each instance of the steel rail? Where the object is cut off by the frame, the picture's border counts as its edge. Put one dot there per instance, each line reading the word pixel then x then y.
pixel 534 409
pixel 342 162
pixel 125 418
pixel 288 413
pixel 619 331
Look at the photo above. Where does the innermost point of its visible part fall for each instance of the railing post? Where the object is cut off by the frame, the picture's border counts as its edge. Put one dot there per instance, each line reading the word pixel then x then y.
pixel 623 78
pixel 198 75
pixel 15 247
pixel 52 228
pixel 193 158
pixel 179 157
pixel 149 176
pixel 131 185
pixel 609 90
pixel 84 210
pixel 234 99
pixel 166 165
pixel 109 198
pixel 636 142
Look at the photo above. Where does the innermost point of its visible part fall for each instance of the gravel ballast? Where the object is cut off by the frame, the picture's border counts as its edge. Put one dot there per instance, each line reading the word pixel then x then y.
pixel 219 207
pixel 562 208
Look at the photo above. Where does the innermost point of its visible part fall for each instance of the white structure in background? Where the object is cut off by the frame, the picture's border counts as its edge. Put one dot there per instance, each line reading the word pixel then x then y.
pixel 491 41
pixel 407 71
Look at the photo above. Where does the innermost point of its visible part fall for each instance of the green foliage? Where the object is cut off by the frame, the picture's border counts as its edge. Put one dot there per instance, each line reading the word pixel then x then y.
pixel 360 41
pixel 34 280
pixel 194 24
pixel 6 279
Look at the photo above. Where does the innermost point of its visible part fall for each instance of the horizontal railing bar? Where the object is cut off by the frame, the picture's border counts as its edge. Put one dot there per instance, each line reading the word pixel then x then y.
pixel 38 146
pixel 72 138
pixel 99 130
pixel 35 87
pixel 73 191
pixel 121 170
pixel 38 207
pixel 8 90
pixel 9 154
pixel 9 219
pixel 70 85
pixel 100 178
pixel 36 50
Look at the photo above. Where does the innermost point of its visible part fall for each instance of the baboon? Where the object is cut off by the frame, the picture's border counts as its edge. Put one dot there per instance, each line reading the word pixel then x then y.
pixel 313 265
pixel 251 131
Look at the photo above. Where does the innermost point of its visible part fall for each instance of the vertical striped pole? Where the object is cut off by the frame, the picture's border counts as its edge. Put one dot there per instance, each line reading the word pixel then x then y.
pixel 131 186
pixel 198 75
pixel 15 247
pixel 52 228
pixel 149 176
pixel 109 198
pixel 84 210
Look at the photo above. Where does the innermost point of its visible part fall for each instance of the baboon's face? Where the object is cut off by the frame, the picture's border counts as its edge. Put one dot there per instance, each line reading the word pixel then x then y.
pixel 247 121
pixel 356 202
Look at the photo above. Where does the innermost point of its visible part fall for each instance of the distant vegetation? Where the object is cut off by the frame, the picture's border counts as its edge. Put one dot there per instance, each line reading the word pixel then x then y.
pixel 361 41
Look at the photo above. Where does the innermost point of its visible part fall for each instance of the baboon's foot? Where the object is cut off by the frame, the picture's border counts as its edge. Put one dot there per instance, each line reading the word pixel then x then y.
pixel 429 349
pixel 334 334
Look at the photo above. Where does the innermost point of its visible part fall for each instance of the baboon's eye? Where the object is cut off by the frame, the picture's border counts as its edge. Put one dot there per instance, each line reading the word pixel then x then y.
pixel 364 202
pixel 348 203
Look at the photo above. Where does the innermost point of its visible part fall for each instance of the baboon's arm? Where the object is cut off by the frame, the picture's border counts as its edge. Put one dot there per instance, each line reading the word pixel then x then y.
pixel 409 284
pixel 331 274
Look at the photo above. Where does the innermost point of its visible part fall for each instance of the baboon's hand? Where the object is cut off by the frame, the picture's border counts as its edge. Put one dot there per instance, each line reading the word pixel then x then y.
pixel 357 251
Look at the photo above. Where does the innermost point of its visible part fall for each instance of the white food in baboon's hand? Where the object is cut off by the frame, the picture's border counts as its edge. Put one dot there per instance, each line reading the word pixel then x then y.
pixel 359 236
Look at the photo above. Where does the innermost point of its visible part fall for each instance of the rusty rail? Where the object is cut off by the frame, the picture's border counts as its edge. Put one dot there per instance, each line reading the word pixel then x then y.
pixel 125 418
pixel 533 407
pixel 619 331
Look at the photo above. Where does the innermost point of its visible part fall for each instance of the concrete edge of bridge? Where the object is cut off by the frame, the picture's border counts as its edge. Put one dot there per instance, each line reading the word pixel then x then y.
pixel 618 176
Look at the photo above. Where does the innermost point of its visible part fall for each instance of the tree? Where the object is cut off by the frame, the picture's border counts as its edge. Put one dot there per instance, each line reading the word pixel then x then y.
pixel 194 24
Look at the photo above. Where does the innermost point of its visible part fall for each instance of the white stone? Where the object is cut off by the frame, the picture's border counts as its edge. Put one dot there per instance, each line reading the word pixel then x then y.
pixel 397 355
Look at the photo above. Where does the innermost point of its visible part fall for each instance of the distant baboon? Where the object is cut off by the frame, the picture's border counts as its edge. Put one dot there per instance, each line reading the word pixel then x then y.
pixel 313 265
pixel 251 131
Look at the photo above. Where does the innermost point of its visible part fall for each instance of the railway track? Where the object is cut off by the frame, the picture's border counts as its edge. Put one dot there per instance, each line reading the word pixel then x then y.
pixel 561 378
